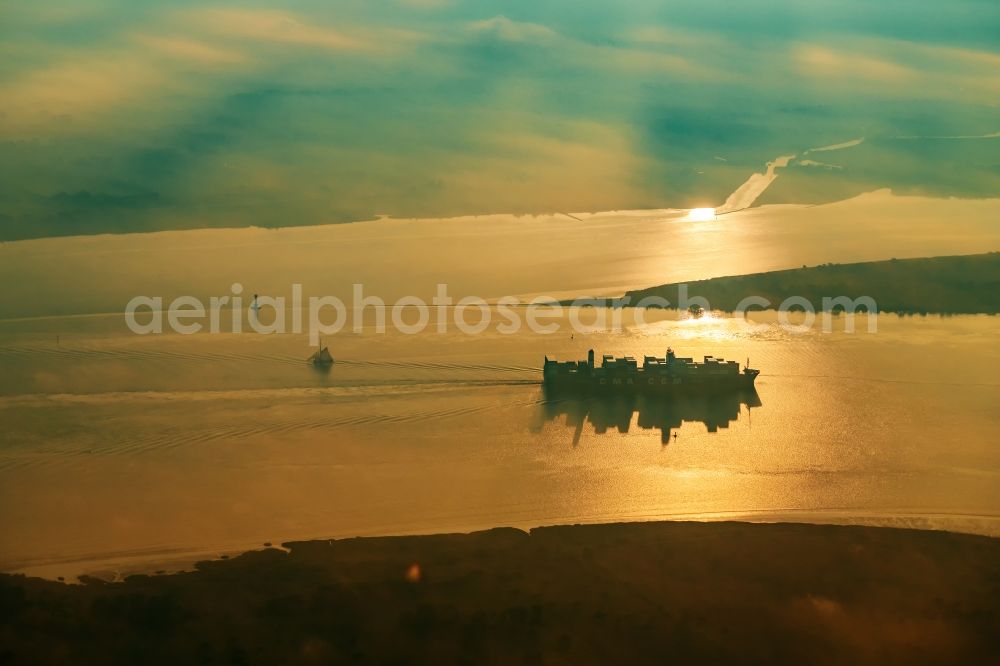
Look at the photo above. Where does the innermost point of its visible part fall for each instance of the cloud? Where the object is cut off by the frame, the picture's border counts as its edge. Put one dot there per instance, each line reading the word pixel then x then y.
pixel 63 95
pixel 893 68
pixel 425 4
pixel 273 26
pixel 92 85
pixel 938 54
pixel 617 60
pixel 84 198
pixel 83 88
pixel 528 166
pixel 188 49
pixel 333 111
pixel 503 29
pixel 648 63
pixel 949 70
pixel 820 61
pixel 657 35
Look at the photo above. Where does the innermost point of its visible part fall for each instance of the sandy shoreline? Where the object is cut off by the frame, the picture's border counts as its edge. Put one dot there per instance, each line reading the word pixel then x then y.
pixel 632 592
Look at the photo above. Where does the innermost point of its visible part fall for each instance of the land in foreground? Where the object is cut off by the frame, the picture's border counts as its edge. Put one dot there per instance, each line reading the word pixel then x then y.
pixel 616 593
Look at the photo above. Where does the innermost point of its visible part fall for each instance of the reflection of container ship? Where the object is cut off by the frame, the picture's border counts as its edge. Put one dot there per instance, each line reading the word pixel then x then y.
pixel 617 412
pixel 669 374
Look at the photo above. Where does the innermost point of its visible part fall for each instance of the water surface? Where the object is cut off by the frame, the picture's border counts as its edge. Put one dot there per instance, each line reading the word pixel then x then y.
pixel 123 451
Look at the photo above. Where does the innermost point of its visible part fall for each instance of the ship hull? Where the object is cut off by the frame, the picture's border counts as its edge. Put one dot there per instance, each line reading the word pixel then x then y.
pixel 651 385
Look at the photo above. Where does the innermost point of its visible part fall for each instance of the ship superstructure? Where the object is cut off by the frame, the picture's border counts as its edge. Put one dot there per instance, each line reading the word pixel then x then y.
pixel 669 373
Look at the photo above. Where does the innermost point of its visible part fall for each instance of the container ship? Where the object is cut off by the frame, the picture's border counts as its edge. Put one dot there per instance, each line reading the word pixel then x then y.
pixel 667 374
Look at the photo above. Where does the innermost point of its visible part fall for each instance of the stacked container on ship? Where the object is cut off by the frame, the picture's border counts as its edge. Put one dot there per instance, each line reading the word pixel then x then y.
pixel 667 374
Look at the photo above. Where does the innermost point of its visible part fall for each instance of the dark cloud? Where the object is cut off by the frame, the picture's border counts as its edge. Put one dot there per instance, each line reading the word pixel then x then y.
pixel 87 201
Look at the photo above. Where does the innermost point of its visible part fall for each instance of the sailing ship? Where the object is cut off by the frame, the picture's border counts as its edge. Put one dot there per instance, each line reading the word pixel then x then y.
pixel 322 357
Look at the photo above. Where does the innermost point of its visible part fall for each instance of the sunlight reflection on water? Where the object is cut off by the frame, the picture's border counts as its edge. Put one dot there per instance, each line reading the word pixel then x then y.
pixel 187 442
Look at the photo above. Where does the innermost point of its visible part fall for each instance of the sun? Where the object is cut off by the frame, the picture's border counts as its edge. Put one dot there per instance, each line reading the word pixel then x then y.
pixel 701 214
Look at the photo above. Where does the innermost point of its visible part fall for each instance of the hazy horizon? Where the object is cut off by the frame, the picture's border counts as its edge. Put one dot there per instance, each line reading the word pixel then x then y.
pixel 124 116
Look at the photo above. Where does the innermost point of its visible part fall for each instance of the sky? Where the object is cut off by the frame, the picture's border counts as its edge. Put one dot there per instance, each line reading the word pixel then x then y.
pixel 140 115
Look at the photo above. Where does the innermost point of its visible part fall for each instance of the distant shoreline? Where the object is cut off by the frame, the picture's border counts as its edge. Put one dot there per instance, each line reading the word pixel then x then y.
pixel 726 591
pixel 962 284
